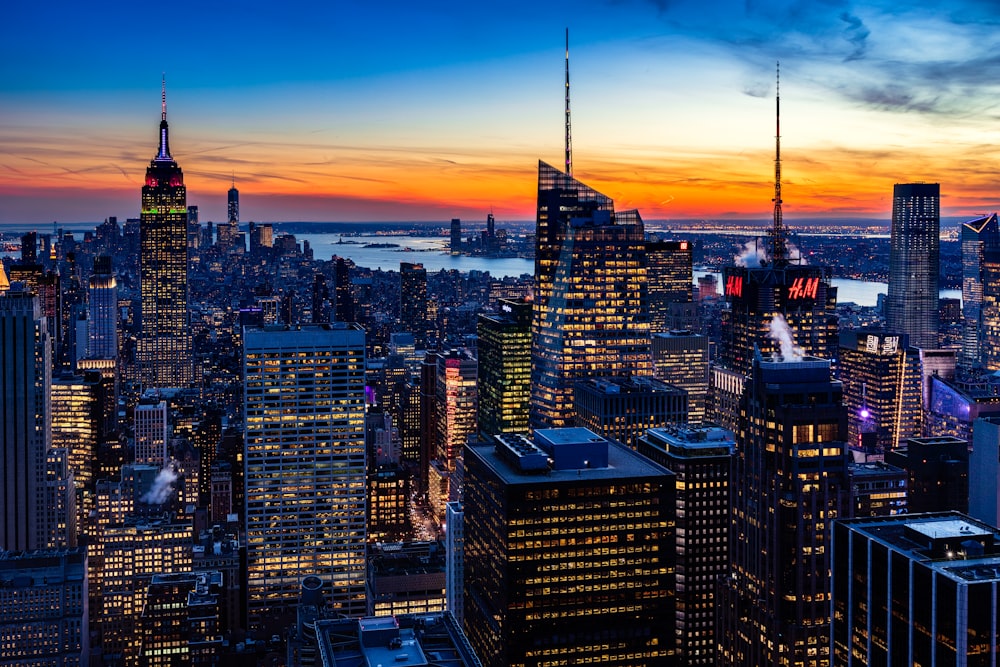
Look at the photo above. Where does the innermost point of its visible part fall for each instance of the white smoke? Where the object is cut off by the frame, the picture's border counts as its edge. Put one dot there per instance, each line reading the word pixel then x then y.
pixel 162 487
pixel 780 332
pixel 751 255
pixel 794 254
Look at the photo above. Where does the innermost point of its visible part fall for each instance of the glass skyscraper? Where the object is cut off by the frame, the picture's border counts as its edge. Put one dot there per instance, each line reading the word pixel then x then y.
pixel 505 368
pixel 914 263
pixel 590 316
pixel 164 345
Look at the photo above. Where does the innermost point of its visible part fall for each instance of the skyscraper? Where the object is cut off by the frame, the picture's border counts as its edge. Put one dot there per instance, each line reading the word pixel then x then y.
pixel 790 480
pixel 979 238
pixel 304 465
pixel 570 563
pixel 25 426
pixel 915 590
pixel 590 314
pixel 233 204
pixel 457 404
pixel 413 301
pixel 680 358
pixel 914 263
pixel 670 279
pixel 505 368
pixel 103 342
pixel 164 345
pixel 882 382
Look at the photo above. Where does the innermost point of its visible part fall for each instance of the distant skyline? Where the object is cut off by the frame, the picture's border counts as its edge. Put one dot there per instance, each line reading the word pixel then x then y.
pixel 393 111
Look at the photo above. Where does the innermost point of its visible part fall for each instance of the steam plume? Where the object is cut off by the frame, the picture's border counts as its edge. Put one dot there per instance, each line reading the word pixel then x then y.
pixel 780 332
pixel 163 485
pixel 751 255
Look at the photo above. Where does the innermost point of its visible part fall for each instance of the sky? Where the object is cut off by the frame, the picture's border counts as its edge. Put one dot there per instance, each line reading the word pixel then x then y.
pixel 351 111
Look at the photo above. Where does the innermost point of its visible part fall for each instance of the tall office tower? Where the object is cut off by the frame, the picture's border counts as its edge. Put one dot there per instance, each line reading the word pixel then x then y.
pixel 670 278
pixel 914 263
pixel 915 590
pixel 193 232
pixel 989 311
pixel 181 622
pixel 938 469
pixel 790 481
pixel 984 471
pixel 413 301
pixel 454 548
pixel 46 285
pixel 590 314
pixel 882 382
pixel 320 300
pixel 505 368
pixel 569 552
pixel 428 416
pixel 44 616
pixel 457 404
pixel 342 291
pixel 25 426
pixel 233 204
pixel 456 236
pixel 767 282
pixel 164 344
pixel 151 432
pixel 60 500
pixel 133 552
pixel 103 342
pixel 700 457
pixel 304 477
pixel 77 421
pixel 623 408
pixel 680 358
pixel 979 237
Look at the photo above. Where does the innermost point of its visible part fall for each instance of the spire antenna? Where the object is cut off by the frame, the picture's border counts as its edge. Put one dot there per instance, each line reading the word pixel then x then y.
pixel 569 133
pixel 778 250
pixel 163 113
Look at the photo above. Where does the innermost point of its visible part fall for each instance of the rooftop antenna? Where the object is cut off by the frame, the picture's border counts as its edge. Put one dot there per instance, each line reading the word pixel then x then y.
pixel 778 253
pixel 569 134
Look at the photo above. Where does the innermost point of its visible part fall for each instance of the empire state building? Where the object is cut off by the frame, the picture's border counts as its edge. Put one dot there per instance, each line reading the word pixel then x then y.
pixel 164 346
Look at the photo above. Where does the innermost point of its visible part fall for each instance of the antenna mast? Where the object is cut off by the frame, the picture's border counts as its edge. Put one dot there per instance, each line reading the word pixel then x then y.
pixel 778 252
pixel 163 113
pixel 569 134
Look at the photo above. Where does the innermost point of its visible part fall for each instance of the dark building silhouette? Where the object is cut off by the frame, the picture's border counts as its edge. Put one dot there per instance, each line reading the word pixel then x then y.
pixel 413 302
pixel 790 480
pixel 670 279
pixel 938 470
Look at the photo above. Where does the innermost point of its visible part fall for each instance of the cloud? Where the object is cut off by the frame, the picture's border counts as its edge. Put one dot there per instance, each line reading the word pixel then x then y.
pixel 856 34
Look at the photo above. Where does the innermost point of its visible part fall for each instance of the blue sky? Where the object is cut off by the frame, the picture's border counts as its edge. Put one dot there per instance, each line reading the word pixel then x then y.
pixel 352 111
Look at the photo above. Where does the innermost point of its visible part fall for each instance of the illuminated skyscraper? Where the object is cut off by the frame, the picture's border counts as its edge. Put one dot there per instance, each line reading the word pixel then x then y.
pixel 979 237
pixel 680 358
pixel 151 432
pixel 25 420
pixel 881 376
pixel 670 279
pixel 569 552
pixel 505 368
pixel 413 301
pixel 700 457
pixel 623 408
pixel 590 314
pixel 304 400
pixel 164 345
pixel 914 263
pixel 103 341
pixel 790 481
pixel 457 404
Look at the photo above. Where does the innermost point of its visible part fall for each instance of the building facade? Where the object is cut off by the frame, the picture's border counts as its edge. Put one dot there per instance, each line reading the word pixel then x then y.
pixel 413 302
pixel 914 263
pixel 623 408
pixel 504 351
pixel 568 564
pixel 164 344
pixel 304 465
pixel 670 279
pixel 590 306
pixel 681 358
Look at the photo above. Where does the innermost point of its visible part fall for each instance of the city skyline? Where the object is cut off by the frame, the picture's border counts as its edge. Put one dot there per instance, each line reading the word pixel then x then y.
pixel 440 113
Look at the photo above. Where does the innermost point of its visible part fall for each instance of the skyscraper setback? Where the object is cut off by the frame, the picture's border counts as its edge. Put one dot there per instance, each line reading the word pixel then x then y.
pixel 914 263
pixel 164 345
